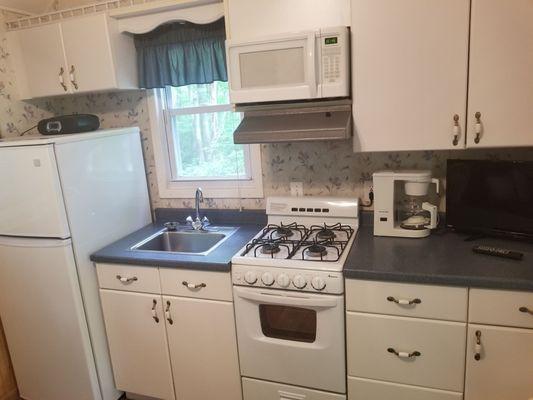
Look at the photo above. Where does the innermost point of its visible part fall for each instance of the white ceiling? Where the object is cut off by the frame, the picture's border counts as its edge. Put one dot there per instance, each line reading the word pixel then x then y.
pixel 29 6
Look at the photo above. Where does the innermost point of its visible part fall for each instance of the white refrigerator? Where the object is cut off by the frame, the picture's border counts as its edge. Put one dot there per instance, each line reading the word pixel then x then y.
pixel 62 198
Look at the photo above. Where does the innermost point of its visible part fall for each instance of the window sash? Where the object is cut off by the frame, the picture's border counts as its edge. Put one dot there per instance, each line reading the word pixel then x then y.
pixel 174 149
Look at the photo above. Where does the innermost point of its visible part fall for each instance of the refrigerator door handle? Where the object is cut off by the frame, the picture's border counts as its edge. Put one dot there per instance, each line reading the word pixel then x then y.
pixel 20 241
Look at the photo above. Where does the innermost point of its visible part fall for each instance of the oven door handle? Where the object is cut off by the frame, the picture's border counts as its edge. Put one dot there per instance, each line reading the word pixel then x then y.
pixel 319 302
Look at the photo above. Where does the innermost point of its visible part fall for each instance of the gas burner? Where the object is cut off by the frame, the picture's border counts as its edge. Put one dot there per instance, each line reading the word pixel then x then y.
pixel 283 232
pixel 316 250
pixel 270 248
pixel 325 234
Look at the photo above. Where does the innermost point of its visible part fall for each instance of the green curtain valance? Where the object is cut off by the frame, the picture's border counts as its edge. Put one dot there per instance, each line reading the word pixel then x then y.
pixel 182 53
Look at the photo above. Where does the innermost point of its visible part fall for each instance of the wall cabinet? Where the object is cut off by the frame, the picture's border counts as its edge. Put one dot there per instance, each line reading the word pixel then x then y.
pixel 166 346
pixel 501 82
pixel 410 63
pixel 409 73
pixel 247 19
pixel 78 55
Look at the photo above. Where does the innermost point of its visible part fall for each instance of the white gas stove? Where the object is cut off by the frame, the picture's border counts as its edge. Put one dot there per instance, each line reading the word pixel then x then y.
pixel 303 247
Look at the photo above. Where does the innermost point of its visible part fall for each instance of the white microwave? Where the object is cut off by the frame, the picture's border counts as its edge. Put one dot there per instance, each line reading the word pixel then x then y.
pixel 294 66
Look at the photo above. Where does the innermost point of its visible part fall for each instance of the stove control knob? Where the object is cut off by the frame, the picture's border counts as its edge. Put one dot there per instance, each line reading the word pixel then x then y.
pixel 318 283
pixel 283 280
pixel 299 281
pixel 267 279
pixel 250 277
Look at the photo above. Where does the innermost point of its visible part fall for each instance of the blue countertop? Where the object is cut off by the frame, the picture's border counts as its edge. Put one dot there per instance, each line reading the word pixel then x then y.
pixel 249 223
pixel 443 258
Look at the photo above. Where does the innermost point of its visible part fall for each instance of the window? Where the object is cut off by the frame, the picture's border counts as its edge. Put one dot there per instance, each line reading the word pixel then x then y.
pixel 193 143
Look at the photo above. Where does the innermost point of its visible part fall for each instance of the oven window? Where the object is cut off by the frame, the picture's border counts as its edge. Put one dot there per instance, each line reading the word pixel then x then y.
pixel 289 323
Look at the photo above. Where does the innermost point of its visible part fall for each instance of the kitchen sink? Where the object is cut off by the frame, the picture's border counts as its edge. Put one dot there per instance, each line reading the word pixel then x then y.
pixel 186 241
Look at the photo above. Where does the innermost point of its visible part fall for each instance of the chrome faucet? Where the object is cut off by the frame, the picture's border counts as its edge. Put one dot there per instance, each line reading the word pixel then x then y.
pixel 198 224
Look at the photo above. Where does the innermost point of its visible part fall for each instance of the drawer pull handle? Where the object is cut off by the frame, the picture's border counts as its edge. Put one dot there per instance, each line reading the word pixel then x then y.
pixel 127 280
pixel 404 301
pixel 154 312
pixel 193 286
pixel 477 354
pixel 525 310
pixel 167 314
pixel 404 354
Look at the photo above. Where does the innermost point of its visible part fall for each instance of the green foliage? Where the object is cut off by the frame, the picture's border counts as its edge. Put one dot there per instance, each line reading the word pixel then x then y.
pixel 204 141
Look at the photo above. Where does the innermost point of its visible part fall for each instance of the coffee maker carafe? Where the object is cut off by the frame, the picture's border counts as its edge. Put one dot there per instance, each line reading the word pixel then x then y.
pixel 400 206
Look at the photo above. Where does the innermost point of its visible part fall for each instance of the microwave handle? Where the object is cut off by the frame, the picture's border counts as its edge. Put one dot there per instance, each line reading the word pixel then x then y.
pixel 312 50
pixel 321 302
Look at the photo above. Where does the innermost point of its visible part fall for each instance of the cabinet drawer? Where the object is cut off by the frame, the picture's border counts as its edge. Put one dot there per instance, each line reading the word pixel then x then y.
pixel 200 284
pixel 254 389
pixel 367 389
pixel 500 307
pixel 427 301
pixel 372 338
pixel 131 278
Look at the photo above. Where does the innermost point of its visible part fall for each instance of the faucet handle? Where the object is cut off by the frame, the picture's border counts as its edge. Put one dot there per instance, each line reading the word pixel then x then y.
pixel 189 220
pixel 205 222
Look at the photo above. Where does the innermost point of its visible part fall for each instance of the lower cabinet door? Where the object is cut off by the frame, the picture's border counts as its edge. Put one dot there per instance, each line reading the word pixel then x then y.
pixel 138 345
pixel 503 370
pixel 368 389
pixel 203 348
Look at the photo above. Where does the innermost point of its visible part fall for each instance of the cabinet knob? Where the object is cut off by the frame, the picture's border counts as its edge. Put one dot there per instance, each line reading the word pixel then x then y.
pixel 404 354
pixel 154 311
pixel 477 348
pixel 478 128
pixel 525 310
pixel 456 130
pixel 62 79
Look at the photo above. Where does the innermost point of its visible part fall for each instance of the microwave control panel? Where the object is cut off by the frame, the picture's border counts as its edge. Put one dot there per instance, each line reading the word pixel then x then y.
pixel 334 48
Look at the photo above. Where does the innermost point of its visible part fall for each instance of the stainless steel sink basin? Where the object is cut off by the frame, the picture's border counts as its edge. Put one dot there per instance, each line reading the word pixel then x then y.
pixel 186 241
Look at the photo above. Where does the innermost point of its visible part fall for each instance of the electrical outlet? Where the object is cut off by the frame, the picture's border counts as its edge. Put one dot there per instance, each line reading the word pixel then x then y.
pixel 297 189
pixel 367 186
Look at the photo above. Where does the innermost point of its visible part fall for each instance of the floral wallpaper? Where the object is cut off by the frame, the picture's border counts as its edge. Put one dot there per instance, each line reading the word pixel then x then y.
pixel 325 168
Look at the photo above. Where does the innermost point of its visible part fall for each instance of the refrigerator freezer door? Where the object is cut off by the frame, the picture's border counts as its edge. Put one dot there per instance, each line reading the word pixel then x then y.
pixel 31 203
pixel 44 320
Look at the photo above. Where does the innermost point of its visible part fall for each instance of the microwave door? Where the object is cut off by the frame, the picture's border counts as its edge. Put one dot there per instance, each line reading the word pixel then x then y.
pixel 274 69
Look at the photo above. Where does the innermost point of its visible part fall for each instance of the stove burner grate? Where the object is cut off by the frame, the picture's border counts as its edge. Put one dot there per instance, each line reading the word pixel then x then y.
pixel 316 250
pixel 316 243
pixel 270 248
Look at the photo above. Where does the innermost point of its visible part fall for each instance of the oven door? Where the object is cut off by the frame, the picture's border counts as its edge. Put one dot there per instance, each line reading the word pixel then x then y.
pixel 291 337
pixel 274 69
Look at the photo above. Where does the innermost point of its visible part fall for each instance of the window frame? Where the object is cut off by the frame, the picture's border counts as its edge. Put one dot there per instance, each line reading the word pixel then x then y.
pixel 249 187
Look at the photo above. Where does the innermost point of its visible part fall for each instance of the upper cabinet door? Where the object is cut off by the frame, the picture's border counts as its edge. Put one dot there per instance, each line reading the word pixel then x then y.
pixel 409 74
pixel 88 52
pixel 39 61
pixel 501 79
